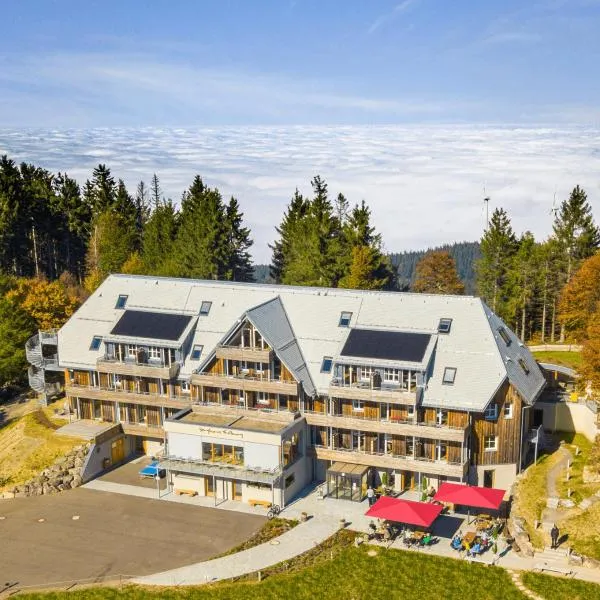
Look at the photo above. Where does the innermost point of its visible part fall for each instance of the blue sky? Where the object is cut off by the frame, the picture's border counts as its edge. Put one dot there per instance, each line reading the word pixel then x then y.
pixel 66 63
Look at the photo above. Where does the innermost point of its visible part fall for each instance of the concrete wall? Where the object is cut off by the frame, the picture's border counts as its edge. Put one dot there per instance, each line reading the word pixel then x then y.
pixel 570 417
pixel 504 475
pixel 99 453
pixel 302 471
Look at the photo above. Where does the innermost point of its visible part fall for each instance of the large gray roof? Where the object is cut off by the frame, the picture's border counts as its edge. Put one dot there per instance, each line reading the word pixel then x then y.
pixel 302 325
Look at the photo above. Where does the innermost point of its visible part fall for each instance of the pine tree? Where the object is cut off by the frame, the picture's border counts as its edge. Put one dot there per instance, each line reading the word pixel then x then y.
pixel 158 239
pixel 498 246
pixel 288 231
pixel 102 190
pixel 436 274
pixel 200 248
pixel 364 266
pixel 155 191
pixel 142 208
pixel 523 282
pixel 576 236
pixel 239 263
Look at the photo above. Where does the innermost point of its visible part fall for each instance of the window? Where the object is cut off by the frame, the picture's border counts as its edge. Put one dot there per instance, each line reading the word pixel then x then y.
pixel 444 325
pixel 441 417
pixel 523 365
pixel 326 364
pixel 490 443
pixel 121 302
pixel 410 411
pixel 197 351
pixel 289 480
pixel 131 350
pixel 184 386
pixel 96 341
pixel 508 411
pixel 205 307
pixel 154 353
pixel 345 319
pixel 504 335
pixel 358 405
pixel 449 375
pixel 222 453
pixel 491 412
pixel 366 373
pixel 391 375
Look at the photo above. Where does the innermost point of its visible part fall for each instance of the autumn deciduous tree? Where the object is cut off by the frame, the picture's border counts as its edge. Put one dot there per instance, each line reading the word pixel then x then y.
pixel 436 274
pixel 590 363
pixel 363 269
pixel 580 298
pixel 46 302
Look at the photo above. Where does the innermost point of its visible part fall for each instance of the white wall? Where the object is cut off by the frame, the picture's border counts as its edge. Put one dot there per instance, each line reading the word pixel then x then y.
pixel 570 417
pixel 261 455
pixel 185 445
pixel 504 475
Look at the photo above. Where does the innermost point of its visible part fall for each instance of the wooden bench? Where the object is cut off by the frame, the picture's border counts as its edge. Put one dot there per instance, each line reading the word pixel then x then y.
pixel 552 569
pixel 265 503
pixel 181 492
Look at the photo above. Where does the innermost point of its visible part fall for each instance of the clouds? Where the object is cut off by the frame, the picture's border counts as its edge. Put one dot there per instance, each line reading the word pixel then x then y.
pixel 389 16
pixel 424 184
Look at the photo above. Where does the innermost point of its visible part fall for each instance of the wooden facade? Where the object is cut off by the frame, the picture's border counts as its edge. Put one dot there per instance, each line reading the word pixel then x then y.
pixel 506 431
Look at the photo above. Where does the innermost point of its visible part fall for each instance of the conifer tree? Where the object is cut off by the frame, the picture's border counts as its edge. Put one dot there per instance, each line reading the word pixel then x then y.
pixel 158 239
pixel 239 263
pixel 102 190
pixel 362 273
pixel 576 236
pixel 498 246
pixel 436 274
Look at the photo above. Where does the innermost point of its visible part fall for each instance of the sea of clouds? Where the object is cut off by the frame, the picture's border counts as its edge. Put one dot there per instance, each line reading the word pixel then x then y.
pixel 424 184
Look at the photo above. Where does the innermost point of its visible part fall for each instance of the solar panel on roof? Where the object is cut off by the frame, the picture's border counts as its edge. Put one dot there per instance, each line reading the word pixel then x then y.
pixel 386 345
pixel 151 325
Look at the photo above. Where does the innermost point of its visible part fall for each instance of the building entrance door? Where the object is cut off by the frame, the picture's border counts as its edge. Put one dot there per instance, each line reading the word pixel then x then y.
pixel 488 478
pixel 236 489
pixel 209 486
pixel 117 451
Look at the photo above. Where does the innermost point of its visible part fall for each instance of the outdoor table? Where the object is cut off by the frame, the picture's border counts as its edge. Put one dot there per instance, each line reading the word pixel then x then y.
pixel 418 535
pixel 469 538
pixel 483 525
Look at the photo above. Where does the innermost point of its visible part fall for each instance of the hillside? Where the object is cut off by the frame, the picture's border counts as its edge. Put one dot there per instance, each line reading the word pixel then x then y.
pixel 464 253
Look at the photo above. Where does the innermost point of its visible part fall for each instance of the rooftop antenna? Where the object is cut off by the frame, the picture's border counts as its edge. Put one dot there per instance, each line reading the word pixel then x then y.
pixel 486 201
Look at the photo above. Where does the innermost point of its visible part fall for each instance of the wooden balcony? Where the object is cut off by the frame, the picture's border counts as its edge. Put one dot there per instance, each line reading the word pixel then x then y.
pixel 248 384
pixel 428 467
pixel 143 430
pixel 431 432
pixel 247 354
pixel 147 369
pixel 124 396
pixel 365 392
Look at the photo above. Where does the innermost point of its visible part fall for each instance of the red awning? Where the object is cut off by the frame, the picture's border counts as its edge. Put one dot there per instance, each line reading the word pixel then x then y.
pixel 405 511
pixel 470 495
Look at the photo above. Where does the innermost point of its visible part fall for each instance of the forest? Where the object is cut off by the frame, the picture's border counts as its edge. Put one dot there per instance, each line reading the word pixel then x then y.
pixel 59 239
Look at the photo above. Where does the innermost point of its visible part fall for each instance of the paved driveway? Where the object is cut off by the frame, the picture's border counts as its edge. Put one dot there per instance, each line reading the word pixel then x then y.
pixel 114 534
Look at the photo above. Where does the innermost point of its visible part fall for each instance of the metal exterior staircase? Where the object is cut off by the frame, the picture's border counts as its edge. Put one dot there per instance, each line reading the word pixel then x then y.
pixel 34 351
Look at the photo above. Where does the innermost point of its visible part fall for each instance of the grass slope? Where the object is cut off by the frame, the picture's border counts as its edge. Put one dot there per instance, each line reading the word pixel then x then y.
pixel 28 445
pixel 556 357
pixel 352 574
pixel 557 588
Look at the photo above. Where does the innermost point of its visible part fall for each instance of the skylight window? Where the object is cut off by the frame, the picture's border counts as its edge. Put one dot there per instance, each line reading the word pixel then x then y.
pixel 345 318
pixel 449 375
pixel 121 301
pixel 327 364
pixel 96 341
pixel 205 307
pixel 197 351
pixel 523 365
pixel 504 335
pixel 444 325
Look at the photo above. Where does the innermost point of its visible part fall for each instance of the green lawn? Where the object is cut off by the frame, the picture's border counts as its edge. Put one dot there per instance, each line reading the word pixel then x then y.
pixel 567 359
pixel 558 588
pixel 352 574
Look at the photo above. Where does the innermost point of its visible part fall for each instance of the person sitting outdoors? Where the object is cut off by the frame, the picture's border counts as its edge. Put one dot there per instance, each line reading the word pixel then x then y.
pixel 426 541
pixel 456 542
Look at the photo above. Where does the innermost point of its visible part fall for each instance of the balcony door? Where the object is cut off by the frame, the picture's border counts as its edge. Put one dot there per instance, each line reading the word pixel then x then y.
pixel 358 441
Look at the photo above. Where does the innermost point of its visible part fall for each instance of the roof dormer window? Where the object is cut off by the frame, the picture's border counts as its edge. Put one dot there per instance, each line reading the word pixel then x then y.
pixel 205 308
pixel 449 375
pixel 523 365
pixel 345 319
pixel 121 301
pixel 504 335
pixel 96 341
pixel 327 364
pixel 444 325
pixel 197 351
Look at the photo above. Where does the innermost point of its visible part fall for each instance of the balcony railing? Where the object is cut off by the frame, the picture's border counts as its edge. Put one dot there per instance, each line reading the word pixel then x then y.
pixel 252 354
pixel 133 396
pixel 201 467
pixel 398 461
pixel 247 382
pixel 364 390
pixel 149 368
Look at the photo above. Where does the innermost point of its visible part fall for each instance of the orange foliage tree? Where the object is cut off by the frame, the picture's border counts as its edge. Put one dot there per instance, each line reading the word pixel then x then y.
pixel 580 298
pixel 436 274
pixel 47 302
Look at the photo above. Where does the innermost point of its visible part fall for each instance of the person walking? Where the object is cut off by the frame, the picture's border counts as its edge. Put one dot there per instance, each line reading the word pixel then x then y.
pixel 554 533
pixel 371 495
